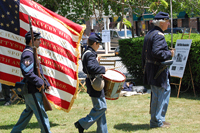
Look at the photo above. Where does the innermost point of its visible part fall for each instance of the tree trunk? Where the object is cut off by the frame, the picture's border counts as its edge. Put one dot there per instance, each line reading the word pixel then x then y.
pixel 131 20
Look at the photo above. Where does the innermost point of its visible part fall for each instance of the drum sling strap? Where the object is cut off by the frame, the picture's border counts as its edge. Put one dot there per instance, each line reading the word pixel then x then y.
pixel 98 82
pixel 86 67
pixel 88 75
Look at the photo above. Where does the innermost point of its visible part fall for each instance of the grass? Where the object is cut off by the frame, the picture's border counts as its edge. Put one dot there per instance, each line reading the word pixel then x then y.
pixel 125 115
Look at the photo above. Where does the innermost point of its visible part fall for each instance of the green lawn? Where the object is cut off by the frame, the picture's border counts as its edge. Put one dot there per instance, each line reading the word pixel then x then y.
pixel 125 115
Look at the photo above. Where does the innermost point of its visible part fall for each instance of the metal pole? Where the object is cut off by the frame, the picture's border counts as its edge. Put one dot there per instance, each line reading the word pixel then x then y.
pixel 106 44
pixel 171 24
pixel 108 22
pixel 125 29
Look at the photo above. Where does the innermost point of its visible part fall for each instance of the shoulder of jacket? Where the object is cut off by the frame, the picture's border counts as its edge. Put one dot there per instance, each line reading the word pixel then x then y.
pixel 27 53
pixel 160 33
pixel 28 50
pixel 88 51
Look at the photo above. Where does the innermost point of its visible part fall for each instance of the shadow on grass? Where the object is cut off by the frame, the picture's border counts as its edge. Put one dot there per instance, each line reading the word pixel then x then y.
pixel 30 125
pixel 90 131
pixel 131 127
pixel 128 127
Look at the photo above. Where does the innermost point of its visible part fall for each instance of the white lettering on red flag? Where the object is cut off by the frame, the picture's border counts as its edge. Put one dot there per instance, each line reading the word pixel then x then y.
pixel 59 48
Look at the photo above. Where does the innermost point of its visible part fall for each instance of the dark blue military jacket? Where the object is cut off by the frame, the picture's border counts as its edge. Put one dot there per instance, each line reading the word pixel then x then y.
pixel 29 71
pixel 93 68
pixel 157 50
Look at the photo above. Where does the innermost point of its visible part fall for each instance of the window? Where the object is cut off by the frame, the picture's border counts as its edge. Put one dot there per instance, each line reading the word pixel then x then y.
pixel 185 22
pixel 121 33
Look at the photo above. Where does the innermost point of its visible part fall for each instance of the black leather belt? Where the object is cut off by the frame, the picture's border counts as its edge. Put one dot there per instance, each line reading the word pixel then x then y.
pixel 153 62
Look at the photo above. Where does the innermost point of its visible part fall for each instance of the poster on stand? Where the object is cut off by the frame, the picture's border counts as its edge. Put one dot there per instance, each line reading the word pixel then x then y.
pixel 105 36
pixel 182 50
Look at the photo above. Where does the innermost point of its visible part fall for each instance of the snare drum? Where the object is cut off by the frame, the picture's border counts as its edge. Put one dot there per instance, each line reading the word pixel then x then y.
pixel 114 81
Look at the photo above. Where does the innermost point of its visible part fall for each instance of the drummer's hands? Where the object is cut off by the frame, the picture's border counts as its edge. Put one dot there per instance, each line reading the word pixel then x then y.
pixel 106 69
pixel 99 58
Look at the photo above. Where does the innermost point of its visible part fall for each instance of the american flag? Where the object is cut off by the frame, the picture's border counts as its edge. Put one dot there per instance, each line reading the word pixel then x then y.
pixel 59 48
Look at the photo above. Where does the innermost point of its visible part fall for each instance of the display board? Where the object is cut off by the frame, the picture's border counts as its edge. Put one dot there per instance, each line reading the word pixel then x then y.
pixel 105 36
pixel 182 49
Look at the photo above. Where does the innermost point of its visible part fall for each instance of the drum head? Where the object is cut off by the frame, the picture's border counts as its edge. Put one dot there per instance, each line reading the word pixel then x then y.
pixel 114 75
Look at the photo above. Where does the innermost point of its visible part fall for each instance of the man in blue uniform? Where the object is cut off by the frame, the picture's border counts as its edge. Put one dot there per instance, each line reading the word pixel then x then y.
pixel 33 100
pixel 155 51
pixel 91 67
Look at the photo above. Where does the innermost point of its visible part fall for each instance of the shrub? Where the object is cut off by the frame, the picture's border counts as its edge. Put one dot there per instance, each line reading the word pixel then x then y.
pixel 130 53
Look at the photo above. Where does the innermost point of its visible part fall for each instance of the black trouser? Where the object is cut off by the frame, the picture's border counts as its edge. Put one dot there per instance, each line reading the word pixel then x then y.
pixel 6 92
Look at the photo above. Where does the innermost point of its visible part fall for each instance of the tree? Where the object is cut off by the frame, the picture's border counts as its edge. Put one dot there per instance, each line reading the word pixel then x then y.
pixel 83 9
pixel 139 7
pixel 77 9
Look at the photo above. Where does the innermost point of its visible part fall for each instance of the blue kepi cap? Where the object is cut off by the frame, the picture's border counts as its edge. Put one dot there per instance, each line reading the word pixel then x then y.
pixel 161 15
pixel 95 37
pixel 28 36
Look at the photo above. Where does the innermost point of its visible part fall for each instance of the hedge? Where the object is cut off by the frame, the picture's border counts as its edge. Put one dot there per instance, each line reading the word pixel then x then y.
pixel 131 50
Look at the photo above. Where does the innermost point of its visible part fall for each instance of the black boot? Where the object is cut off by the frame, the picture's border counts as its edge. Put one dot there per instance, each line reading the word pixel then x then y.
pixel 80 128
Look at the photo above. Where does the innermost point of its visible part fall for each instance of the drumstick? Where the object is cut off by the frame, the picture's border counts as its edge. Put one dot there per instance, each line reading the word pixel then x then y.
pixel 114 68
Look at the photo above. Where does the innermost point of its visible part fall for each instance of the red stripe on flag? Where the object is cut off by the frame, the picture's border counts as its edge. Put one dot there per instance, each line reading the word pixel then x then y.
pixel 58 49
pixel 47 27
pixel 61 85
pixel 57 101
pixel 22 31
pixel 58 66
pixel 9 61
pixel 11 44
pixel 9 77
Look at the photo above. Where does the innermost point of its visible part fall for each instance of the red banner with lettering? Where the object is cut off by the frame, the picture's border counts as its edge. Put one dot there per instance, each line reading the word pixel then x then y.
pixel 59 48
